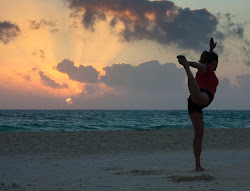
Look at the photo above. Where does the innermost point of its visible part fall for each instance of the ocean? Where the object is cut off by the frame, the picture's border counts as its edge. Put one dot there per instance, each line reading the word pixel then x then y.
pixel 104 120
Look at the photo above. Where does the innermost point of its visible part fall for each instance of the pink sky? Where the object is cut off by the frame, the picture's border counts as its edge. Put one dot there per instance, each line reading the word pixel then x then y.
pixel 116 57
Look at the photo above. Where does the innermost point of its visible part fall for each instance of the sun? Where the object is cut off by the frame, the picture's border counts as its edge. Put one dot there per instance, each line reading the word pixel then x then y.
pixel 69 101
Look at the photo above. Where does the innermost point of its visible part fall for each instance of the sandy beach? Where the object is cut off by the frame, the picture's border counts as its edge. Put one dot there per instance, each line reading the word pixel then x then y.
pixel 124 160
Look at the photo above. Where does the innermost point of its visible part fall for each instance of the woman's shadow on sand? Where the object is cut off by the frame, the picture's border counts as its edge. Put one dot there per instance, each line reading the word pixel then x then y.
pixel 177 178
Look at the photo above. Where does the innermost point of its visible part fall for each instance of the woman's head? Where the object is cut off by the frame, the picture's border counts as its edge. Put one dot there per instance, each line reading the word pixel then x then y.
pixel 210 58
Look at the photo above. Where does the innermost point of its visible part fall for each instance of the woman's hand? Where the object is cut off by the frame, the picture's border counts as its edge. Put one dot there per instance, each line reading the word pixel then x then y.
pixel 182 60
pixel 212 44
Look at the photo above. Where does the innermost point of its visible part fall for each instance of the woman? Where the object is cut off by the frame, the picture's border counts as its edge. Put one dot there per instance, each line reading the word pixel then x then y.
pixel 202 89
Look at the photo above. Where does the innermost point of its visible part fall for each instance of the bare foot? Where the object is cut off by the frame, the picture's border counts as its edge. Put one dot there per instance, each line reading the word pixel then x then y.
pixel 199 169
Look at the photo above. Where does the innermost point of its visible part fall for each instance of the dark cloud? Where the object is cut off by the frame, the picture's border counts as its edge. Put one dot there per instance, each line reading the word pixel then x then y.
pixel 8 31
pixel 149 76
pixel 131 100
pixel 91 88
pixel 151 85
pixel 54 30
pixel 39 53
pixel 160 21
pixel 227 96
pixel 51 83
pixel 228 27
pixel 24 76
pixel 36 25
pixel 228 30
pixel 246 51
pixel 85 74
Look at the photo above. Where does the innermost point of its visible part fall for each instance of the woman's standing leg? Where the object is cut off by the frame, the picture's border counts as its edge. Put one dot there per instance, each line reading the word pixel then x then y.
pixel 198 124
pixel 196 117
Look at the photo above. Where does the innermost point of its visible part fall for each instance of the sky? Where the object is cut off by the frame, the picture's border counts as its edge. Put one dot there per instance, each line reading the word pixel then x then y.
pixel 119 54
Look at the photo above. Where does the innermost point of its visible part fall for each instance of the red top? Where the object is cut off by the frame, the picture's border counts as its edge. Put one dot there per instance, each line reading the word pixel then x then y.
pixel 207 80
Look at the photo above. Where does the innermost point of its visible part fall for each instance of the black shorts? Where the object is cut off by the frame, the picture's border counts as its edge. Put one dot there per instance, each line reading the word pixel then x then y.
pixel 193 107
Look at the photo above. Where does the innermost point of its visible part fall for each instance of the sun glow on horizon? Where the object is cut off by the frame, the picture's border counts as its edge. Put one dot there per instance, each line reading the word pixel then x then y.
pixel 69 101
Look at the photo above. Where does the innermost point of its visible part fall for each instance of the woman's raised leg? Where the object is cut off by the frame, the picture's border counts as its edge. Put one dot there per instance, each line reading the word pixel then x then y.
pixel 197 96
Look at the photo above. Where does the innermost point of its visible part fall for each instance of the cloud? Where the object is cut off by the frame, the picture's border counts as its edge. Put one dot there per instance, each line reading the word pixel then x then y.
pixel 246 51
pixel 24 76
pixel 229 27
pixel 8 31
pixel 85 74
pixel 229 30
pixel 91 88
pixel 131 100
pixel 160 21
pixel 36 25
pixel 51 83
pixel 227 96
pixel 40 53
pixel 149 76
pixel 54 30
pixel 149 85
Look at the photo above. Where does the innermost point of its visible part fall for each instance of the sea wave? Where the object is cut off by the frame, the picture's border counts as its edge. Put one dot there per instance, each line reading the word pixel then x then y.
pixel 98 120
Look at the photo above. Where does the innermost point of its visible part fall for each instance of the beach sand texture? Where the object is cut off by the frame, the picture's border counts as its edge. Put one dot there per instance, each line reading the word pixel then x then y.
pixel 124 160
